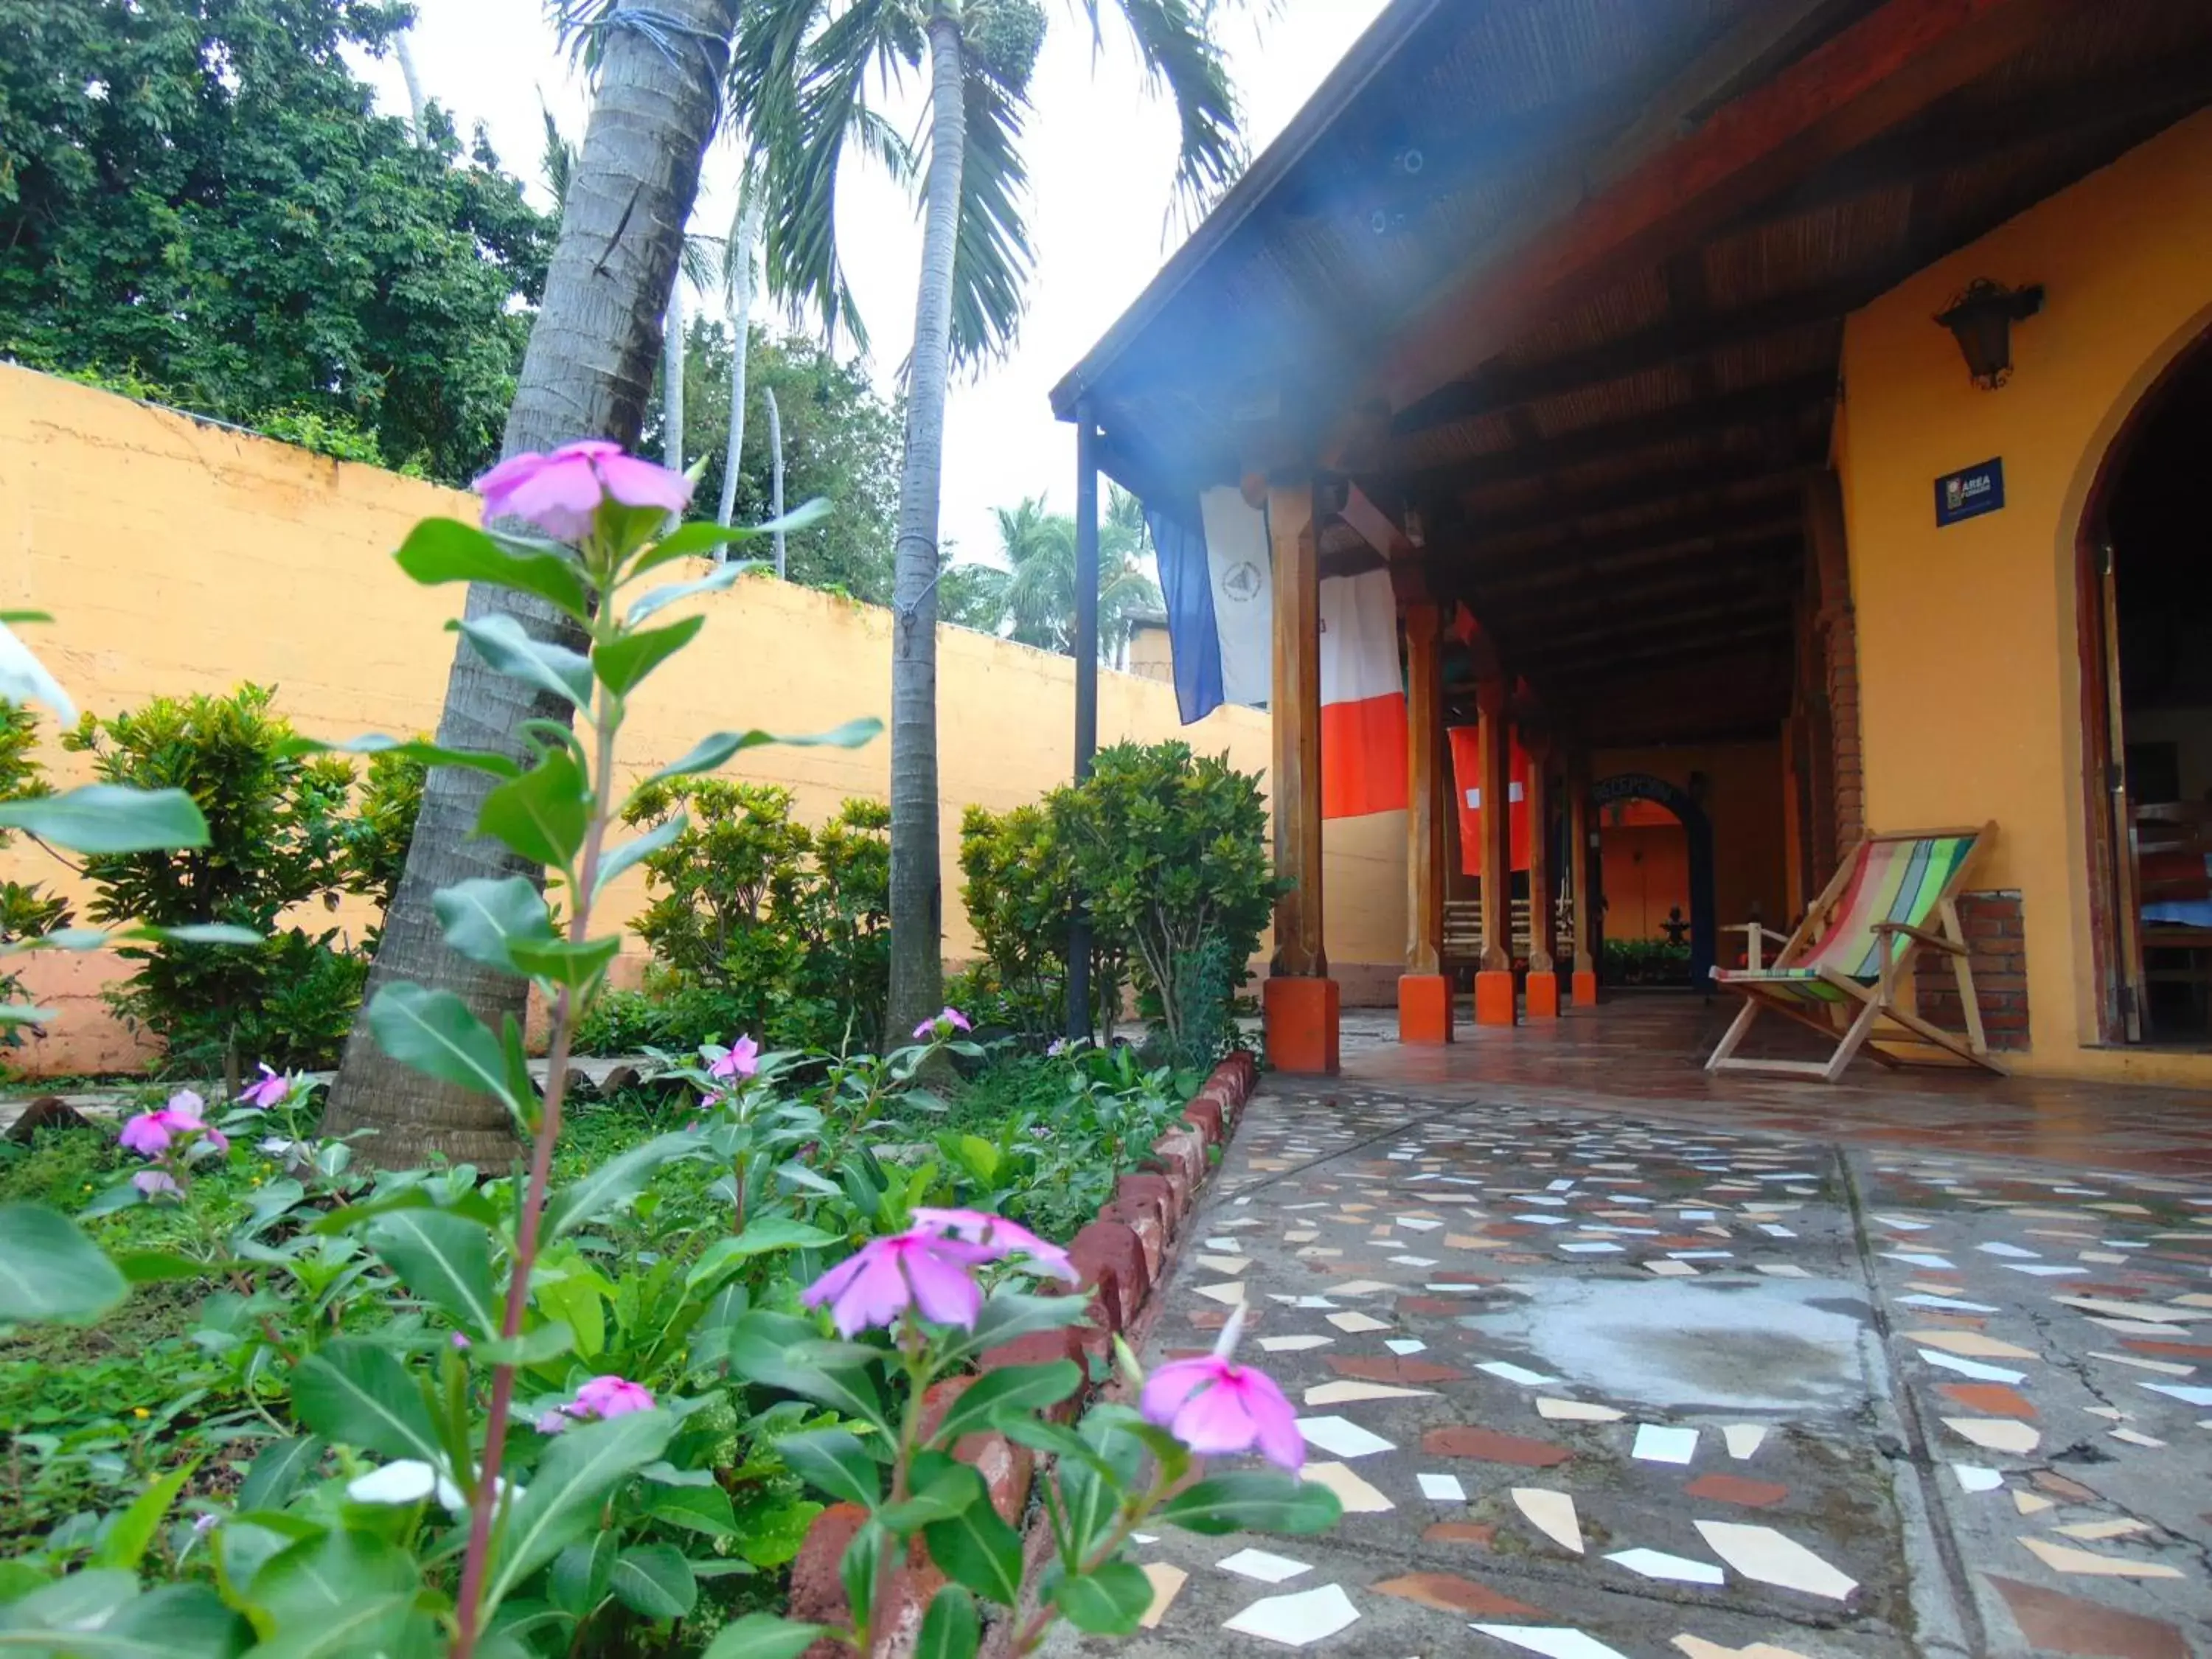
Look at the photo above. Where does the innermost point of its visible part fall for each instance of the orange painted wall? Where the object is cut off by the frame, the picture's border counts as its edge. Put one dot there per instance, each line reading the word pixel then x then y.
pixel 1968 673
pixel 1743 799
pixel 178 557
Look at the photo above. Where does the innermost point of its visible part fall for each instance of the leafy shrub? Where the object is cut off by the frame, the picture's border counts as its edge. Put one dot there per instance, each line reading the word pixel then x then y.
pixel 27 910
pixel 759 924
pixel 670 1015
pixel 376 837
pixel 1020 896
pixel 278 836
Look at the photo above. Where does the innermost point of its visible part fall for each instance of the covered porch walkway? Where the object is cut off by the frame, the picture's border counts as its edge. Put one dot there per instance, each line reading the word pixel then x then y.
pixel 1645 1053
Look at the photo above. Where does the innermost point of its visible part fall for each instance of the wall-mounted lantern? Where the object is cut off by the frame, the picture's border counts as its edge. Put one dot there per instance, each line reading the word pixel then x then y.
pixel 1980 317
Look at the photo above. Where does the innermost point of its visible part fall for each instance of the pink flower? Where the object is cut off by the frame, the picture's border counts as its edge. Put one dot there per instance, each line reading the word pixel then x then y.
pixel 550 1422
pixel 610 1396
pixel 561 493
pixel 152 1182
pixel 1214 1406
pixel 268 1090
pixel 459 1341
pixel 149 1133
pixel 950 1020
pixel 998 1236
pixel 918 1268
pixel 741 1058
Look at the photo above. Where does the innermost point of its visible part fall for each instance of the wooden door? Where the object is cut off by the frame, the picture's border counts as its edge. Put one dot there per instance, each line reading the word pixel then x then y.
pixel 2126 909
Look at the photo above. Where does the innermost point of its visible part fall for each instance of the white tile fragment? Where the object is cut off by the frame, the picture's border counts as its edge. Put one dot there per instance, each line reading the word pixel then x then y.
pixel 1442 1488
pixel 1504 1370
pixel 1658 1444
pixel 1677 1569
pixel 1297 1621
pixel 1267 1568
pixel 1553 1641
pixel 1973 1477
pixel 1576 1411
pixel 1743 1439
pixel 1343 1437
pixel 1553 1514
pixel 1293 1344
pixel 1767 1557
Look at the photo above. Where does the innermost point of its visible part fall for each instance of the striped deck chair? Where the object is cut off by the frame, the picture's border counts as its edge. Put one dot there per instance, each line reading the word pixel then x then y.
pixel 1845 972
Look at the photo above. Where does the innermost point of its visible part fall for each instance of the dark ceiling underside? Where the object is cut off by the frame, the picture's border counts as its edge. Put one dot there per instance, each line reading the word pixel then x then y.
pixel 1614 482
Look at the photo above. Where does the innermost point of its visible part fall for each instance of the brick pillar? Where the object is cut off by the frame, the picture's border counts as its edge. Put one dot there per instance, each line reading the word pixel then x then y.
pixel 1837 626
pixel 1997 942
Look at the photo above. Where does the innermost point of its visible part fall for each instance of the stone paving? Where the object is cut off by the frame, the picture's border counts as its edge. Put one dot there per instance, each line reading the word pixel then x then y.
pixel 1604 1381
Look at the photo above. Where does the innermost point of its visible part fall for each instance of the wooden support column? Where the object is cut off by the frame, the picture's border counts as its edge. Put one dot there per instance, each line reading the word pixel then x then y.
pixel 1493 980
pixel 1299 1001
pixel 1581 868
pixel 1425 1003
pixel 1543 970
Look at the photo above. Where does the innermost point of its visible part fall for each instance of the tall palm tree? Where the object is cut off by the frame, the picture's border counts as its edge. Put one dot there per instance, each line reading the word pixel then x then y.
pixel 803 67
pixel 1039 549
pixel 588 372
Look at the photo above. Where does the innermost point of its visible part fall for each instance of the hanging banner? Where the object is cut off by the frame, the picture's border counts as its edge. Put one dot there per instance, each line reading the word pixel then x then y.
pixel 1363 698
pixel 1467 789
pixel 1238 569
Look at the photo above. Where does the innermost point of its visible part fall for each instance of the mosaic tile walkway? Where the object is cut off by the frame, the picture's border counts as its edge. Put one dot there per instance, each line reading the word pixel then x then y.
pixel 1608 1382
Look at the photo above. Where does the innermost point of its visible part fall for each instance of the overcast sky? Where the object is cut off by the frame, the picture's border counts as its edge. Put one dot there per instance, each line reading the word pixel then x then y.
pixel 1100 153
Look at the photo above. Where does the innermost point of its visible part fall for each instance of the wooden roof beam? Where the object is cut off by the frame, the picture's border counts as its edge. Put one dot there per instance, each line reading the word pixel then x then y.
pixel 1667 193
pixel 1495 570
pixel 1686 491
pixel 1756 406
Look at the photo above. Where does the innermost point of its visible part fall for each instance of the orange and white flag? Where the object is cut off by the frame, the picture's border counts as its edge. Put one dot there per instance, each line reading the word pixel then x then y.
pixel 1363 698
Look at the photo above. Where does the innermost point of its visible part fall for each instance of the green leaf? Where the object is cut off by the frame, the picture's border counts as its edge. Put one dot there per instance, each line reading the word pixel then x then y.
pixel 413 749
pixel 50 1270
pixel 341 1594
pixel 444 1261
pixel 572 963
pixel 508 648
pixel 131 1533
pixel 447 550
pixel 764 1636
pixel 950 1629
pixel 1009 1314
pixel 1108 1601
pixel 760 1237
pixel 835 1462
pixel 622 662
pixel 616 1181
pixel 976 1548
pixel 434 1032
pixel 548 1341
pixel 1252 1500
pixel 108 817
pixel 277 1470
pixel 483 919
pixel 94 1615
pixel 642 847
pixel 691 541
pixel 1015 1392
pixel 704 1510
pixel 23 1013
pixel 659 599
pixel 654 1581
pixel 562 1501
pixel 578 1578
pixel 195 933
pixel 1090 1491
pixel 847 1389
pixel 943 1496
pixel 711 752
pixel 354 1392
pixel 542 814
pixel 857 1569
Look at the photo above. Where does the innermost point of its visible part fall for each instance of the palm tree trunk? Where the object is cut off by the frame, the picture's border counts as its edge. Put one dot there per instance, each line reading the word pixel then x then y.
pixel 742 250
pixel 774 471
pixel 588 373
pixel 917 978
pixel 671 379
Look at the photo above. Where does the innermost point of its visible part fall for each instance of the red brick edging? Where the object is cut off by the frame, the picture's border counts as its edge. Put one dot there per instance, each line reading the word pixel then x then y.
pixel 1120 1256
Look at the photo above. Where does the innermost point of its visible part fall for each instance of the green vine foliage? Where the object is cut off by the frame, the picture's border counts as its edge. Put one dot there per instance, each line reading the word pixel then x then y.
pixel 27 911
pixel 280 836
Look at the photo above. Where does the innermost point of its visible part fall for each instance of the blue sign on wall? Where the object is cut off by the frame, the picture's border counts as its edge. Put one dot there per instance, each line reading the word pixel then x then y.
pixel 1969 492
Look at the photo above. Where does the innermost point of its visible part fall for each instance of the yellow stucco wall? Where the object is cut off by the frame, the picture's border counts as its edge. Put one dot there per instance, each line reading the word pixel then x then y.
pixel 178 557
pixel 1970 681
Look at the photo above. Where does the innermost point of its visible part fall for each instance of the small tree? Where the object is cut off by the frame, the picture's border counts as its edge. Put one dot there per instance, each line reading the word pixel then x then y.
pixel 276 837
pixel 1169 849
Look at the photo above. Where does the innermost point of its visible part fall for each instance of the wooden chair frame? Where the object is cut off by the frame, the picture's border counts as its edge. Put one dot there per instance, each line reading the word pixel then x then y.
pixel 1876 1002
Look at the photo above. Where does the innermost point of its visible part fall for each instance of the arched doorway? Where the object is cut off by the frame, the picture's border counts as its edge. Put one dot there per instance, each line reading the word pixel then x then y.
pixel 1697 832
pixel 2146 587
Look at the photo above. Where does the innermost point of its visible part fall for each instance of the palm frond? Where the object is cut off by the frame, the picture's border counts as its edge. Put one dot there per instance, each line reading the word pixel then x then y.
pixel 1175 41
pixel 798 83
pixel 992 262
pixel 559 159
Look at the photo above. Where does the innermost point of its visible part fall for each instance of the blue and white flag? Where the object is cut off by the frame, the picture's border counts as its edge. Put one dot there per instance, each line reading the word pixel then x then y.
pixel 1215 578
